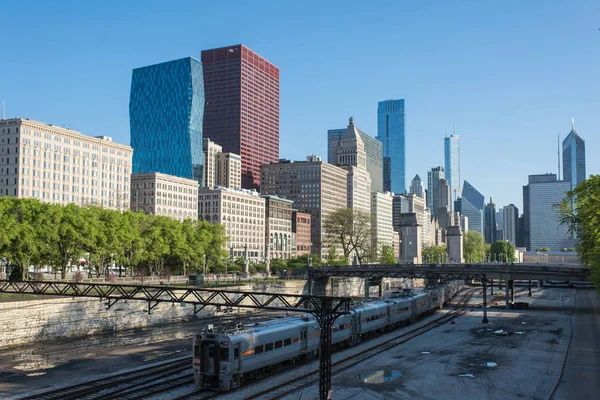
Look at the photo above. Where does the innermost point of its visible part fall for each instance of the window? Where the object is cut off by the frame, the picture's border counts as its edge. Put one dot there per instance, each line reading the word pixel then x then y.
pixel 278 344
pixel 224 353
pixel 258 349
pixel 268 346
pixel 236 353
pixel 287 342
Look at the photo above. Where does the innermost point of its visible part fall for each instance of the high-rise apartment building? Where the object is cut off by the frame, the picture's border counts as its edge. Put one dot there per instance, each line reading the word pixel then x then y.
pixel 540 198
pixel 416 187
pixel 391 132
pixel 382 229
pixel 400 205
pixel 573 152
pixel 471 206
pixel 510 223
pixel 229 170
pixel 452 164
pixel 373 150
pixel 210 150
pixel 242 107
pixel 301 231
pixel 242 212
pixel 433 188
pixel 489 222
pixel 278 224
pixel 165 195
pixel 166 107
pixel 444 196
pixel 62 166
pixel 316 188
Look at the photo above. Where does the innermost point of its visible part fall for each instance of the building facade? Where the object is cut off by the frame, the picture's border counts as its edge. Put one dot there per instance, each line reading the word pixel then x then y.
pixel 210 150
pixel 382 228
pixel 391 132
pixel 316 188
pixel 166 108
pixel 489 222
pixel 278 224
pixel 471 206
pixel 229 170
pixel 301 230
pixel 573 152
pixel 452 164
pixel 164 195
pixel 242 212
pixel 242 107
pixel 373 150
pixel 444 196
pixel 416 187
pixel 510 223
pixel 433 188
pixel 62 166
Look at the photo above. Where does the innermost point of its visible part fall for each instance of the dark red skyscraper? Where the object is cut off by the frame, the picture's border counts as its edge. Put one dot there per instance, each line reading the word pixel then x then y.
pixel 241 111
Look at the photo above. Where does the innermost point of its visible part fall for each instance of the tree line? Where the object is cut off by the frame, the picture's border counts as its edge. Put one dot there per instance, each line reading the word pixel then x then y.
pixel 39 234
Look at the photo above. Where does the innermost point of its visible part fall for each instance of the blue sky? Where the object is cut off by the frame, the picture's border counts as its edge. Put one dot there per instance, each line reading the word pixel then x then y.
pixel 511 73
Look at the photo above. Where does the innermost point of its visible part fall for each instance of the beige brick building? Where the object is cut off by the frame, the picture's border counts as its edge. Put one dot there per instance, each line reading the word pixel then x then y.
pixel 315 187
pixel 58 165
pixel 229 170
pixel 243 214
pixel 301 231
pixel 278 226
pixel 210 149
pixel 166 195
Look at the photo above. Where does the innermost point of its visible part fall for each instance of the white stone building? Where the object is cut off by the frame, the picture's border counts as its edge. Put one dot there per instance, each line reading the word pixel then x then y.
pixel 229 170
pixel 210 149
pixel 382 228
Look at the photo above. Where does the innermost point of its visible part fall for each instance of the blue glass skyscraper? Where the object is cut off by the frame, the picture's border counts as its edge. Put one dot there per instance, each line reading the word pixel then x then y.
pixel 166 108
pixel 573 148
pixel 471 205
pixel 452 164
pixel 391 133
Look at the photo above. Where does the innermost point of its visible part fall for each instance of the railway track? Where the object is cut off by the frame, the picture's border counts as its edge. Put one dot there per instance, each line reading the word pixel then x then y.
pixel 291 386
pixel 113 386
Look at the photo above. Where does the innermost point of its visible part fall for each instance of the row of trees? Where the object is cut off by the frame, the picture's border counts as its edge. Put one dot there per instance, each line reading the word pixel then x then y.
pixel 42 234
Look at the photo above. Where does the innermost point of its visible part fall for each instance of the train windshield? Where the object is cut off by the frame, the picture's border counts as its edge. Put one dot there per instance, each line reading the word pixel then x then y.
pixel 224 353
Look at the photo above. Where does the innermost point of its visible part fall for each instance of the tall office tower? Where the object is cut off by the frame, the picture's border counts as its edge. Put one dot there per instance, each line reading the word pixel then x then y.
pixel 444 196
pixel 573 148
pixel 210 150
pixel 315 187
pixel 489 220
pixel 540 197
pixel 416 187
pixel 400 205
pixel 391 132
pixel 433 188
pixel 471 206
pixel 373 149
pixel 166 106
pixel 510 219
pixel 382 229
pixel 62 166
pixel 242 107
pixel 229 170
pixel 540 178
pixel 452 164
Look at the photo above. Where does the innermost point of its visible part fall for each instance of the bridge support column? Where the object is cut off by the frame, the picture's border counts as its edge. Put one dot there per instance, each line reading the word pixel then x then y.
pixel 512 292
pixel 507 284
pixel 381 288
pixel 491 287
pixel 485 318
pixel 529 288
pixel 366 288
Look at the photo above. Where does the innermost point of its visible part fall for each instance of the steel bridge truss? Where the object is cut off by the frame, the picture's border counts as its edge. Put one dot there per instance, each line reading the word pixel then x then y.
pixel 325 309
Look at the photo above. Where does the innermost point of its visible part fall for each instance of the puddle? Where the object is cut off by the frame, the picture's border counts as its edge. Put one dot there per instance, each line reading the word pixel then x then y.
pixel 36 374
pixel 379 376
pixel 425 352
pixel 489 364
pixel 467 376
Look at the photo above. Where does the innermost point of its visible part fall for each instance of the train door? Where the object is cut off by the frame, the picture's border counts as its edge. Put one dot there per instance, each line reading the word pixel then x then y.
pixel 388 317
pixel 303 339
pixel 359 323
pixel 236 357
pixel 209 364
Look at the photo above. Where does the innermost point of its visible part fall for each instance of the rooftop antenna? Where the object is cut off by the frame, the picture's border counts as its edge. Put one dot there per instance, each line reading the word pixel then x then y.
pixel 558 152
pixel 572 124
pixel 3 109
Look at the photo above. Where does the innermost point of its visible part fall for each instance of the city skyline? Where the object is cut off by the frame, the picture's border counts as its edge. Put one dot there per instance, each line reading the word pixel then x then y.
pixel 316 100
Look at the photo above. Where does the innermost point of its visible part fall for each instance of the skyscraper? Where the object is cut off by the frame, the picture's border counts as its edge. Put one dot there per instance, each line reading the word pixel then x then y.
pixel 433 188
pixel 452 164
pixel 471 205
pixel 416 187
pixel 373 148
pixel 242 107
pixel 489 220
pixel 573 148
pixel 166 106
pixel 391 132
pixel 510 218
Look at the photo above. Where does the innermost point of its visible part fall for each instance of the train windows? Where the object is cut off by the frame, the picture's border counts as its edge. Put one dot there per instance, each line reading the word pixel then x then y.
pixel 341 326
pixel 268 346
pixel 197 350
pixel 287 342
pixel 211 351
pixel 224 353
pixel 236 353
pixel 258 349
pixel 278 344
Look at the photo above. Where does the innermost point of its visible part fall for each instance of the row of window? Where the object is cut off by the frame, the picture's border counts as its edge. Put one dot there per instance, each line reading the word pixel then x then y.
pixel 270 346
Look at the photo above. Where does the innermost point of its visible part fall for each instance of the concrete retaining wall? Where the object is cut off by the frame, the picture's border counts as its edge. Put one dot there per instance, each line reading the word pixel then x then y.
pixel 29 320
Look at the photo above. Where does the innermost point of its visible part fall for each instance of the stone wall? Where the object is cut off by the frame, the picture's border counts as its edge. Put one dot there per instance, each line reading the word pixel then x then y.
pixel 24 321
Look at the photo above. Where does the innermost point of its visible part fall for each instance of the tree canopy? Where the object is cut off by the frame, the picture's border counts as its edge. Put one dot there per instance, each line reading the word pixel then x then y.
pixel 502 251
pixel 387 256
pixel 39 234
pixel 434 254
pixel 349 229
pixel 473 247
pixel 580 211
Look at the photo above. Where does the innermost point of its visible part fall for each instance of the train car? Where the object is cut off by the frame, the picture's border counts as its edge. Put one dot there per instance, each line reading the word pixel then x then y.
pixel 344 330
pixel 420 304
pixel 222 359
pixel 372 316
pixel 400 310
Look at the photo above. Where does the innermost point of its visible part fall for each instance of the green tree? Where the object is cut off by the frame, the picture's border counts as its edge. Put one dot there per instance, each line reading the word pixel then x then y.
pixel 278 264
pixel 434 254
pixel 473 247
pixel 351 230
pixel 543 249
pixel 502 250
pixel 581 213
pixel 387 255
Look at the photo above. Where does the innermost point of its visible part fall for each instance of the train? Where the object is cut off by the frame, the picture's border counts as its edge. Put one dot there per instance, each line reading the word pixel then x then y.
pixel 224 358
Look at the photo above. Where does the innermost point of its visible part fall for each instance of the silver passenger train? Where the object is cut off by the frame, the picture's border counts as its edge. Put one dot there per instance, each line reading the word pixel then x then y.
pixel 224 359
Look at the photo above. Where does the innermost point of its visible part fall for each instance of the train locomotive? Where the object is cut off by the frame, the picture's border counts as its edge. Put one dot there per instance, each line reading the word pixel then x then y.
pixel 224 358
